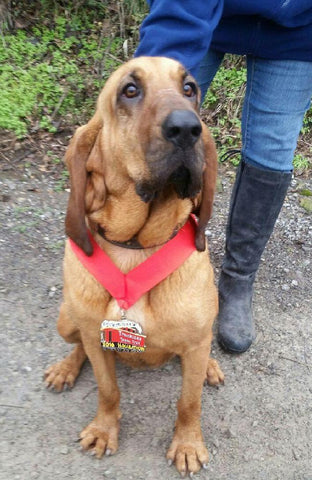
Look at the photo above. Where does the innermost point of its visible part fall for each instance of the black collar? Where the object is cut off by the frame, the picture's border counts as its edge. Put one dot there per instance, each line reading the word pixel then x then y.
pixel 133 243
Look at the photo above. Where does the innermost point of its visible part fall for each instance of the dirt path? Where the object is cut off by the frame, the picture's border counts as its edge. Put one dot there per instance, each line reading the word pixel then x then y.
pixel 257 426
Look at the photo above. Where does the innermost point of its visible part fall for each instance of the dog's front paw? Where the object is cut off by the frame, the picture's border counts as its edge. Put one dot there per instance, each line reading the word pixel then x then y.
pixel 189 457
pixel 61 375
pixel 100 437
pixel 215 376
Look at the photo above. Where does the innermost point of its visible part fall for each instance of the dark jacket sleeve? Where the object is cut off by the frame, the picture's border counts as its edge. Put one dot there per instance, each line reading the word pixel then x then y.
pixel 179 29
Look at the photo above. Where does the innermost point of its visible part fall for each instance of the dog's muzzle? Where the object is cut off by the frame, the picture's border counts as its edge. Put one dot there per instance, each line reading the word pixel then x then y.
pixel 180 165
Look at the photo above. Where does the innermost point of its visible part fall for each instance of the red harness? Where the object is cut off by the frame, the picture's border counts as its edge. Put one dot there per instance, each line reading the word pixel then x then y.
pixel 128 288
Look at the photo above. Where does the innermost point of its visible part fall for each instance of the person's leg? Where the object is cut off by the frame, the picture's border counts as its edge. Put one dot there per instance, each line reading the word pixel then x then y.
pixel 277 96
pixel 207 70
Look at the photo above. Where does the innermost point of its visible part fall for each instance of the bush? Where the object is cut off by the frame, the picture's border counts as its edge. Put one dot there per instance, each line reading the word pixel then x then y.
pixel 54 68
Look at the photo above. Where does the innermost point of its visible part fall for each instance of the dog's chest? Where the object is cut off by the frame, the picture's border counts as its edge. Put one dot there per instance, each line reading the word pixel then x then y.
pixel 166 325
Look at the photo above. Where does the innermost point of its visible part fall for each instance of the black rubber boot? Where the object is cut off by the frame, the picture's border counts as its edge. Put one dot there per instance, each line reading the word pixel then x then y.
pixel 256 201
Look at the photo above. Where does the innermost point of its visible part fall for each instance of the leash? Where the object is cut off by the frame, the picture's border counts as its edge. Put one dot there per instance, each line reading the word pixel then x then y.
pixel 228 154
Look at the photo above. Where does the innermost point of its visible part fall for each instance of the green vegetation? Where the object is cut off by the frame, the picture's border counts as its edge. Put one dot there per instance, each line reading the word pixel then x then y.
pixel 55 56
pixel 224 100
pixel 53 70
pixel 62 181
pixel 301 162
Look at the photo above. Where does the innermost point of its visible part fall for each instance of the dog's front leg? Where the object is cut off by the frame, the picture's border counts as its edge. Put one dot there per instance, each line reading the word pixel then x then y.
pixel 187 449
pixel 101 435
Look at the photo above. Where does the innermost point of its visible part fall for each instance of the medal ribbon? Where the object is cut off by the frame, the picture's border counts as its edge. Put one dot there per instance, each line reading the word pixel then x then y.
pixel 128 288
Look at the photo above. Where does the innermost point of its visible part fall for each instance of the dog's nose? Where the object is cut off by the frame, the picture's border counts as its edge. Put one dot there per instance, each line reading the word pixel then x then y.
pixel 182 128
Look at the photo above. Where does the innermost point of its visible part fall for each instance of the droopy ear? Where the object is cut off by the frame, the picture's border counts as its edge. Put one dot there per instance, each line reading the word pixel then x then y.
pixel 209 186
pixel 76 158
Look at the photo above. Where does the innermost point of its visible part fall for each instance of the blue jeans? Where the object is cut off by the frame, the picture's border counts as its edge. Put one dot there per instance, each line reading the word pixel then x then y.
pixel 278 94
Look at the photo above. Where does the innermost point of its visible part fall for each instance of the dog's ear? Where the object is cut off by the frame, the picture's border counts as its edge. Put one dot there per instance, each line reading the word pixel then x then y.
pixel 76 158
pixel 209 186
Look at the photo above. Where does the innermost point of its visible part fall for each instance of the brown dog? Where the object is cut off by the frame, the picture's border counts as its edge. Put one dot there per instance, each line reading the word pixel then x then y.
pixel 138 169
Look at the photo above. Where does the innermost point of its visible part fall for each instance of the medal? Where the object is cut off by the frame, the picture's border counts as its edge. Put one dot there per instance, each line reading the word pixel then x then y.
pixel 122 335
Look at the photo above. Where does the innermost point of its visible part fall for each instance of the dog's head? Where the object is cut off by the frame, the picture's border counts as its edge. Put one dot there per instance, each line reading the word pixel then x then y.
pixel 147 131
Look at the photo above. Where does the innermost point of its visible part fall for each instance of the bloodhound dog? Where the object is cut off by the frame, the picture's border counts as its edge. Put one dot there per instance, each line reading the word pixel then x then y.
pixel 138 169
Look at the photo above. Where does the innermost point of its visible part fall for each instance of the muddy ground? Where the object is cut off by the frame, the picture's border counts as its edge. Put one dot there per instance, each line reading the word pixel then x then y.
pixel 257 426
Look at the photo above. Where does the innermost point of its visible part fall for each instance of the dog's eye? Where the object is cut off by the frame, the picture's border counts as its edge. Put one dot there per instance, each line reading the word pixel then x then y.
pixel 189 89
pixel 131 90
